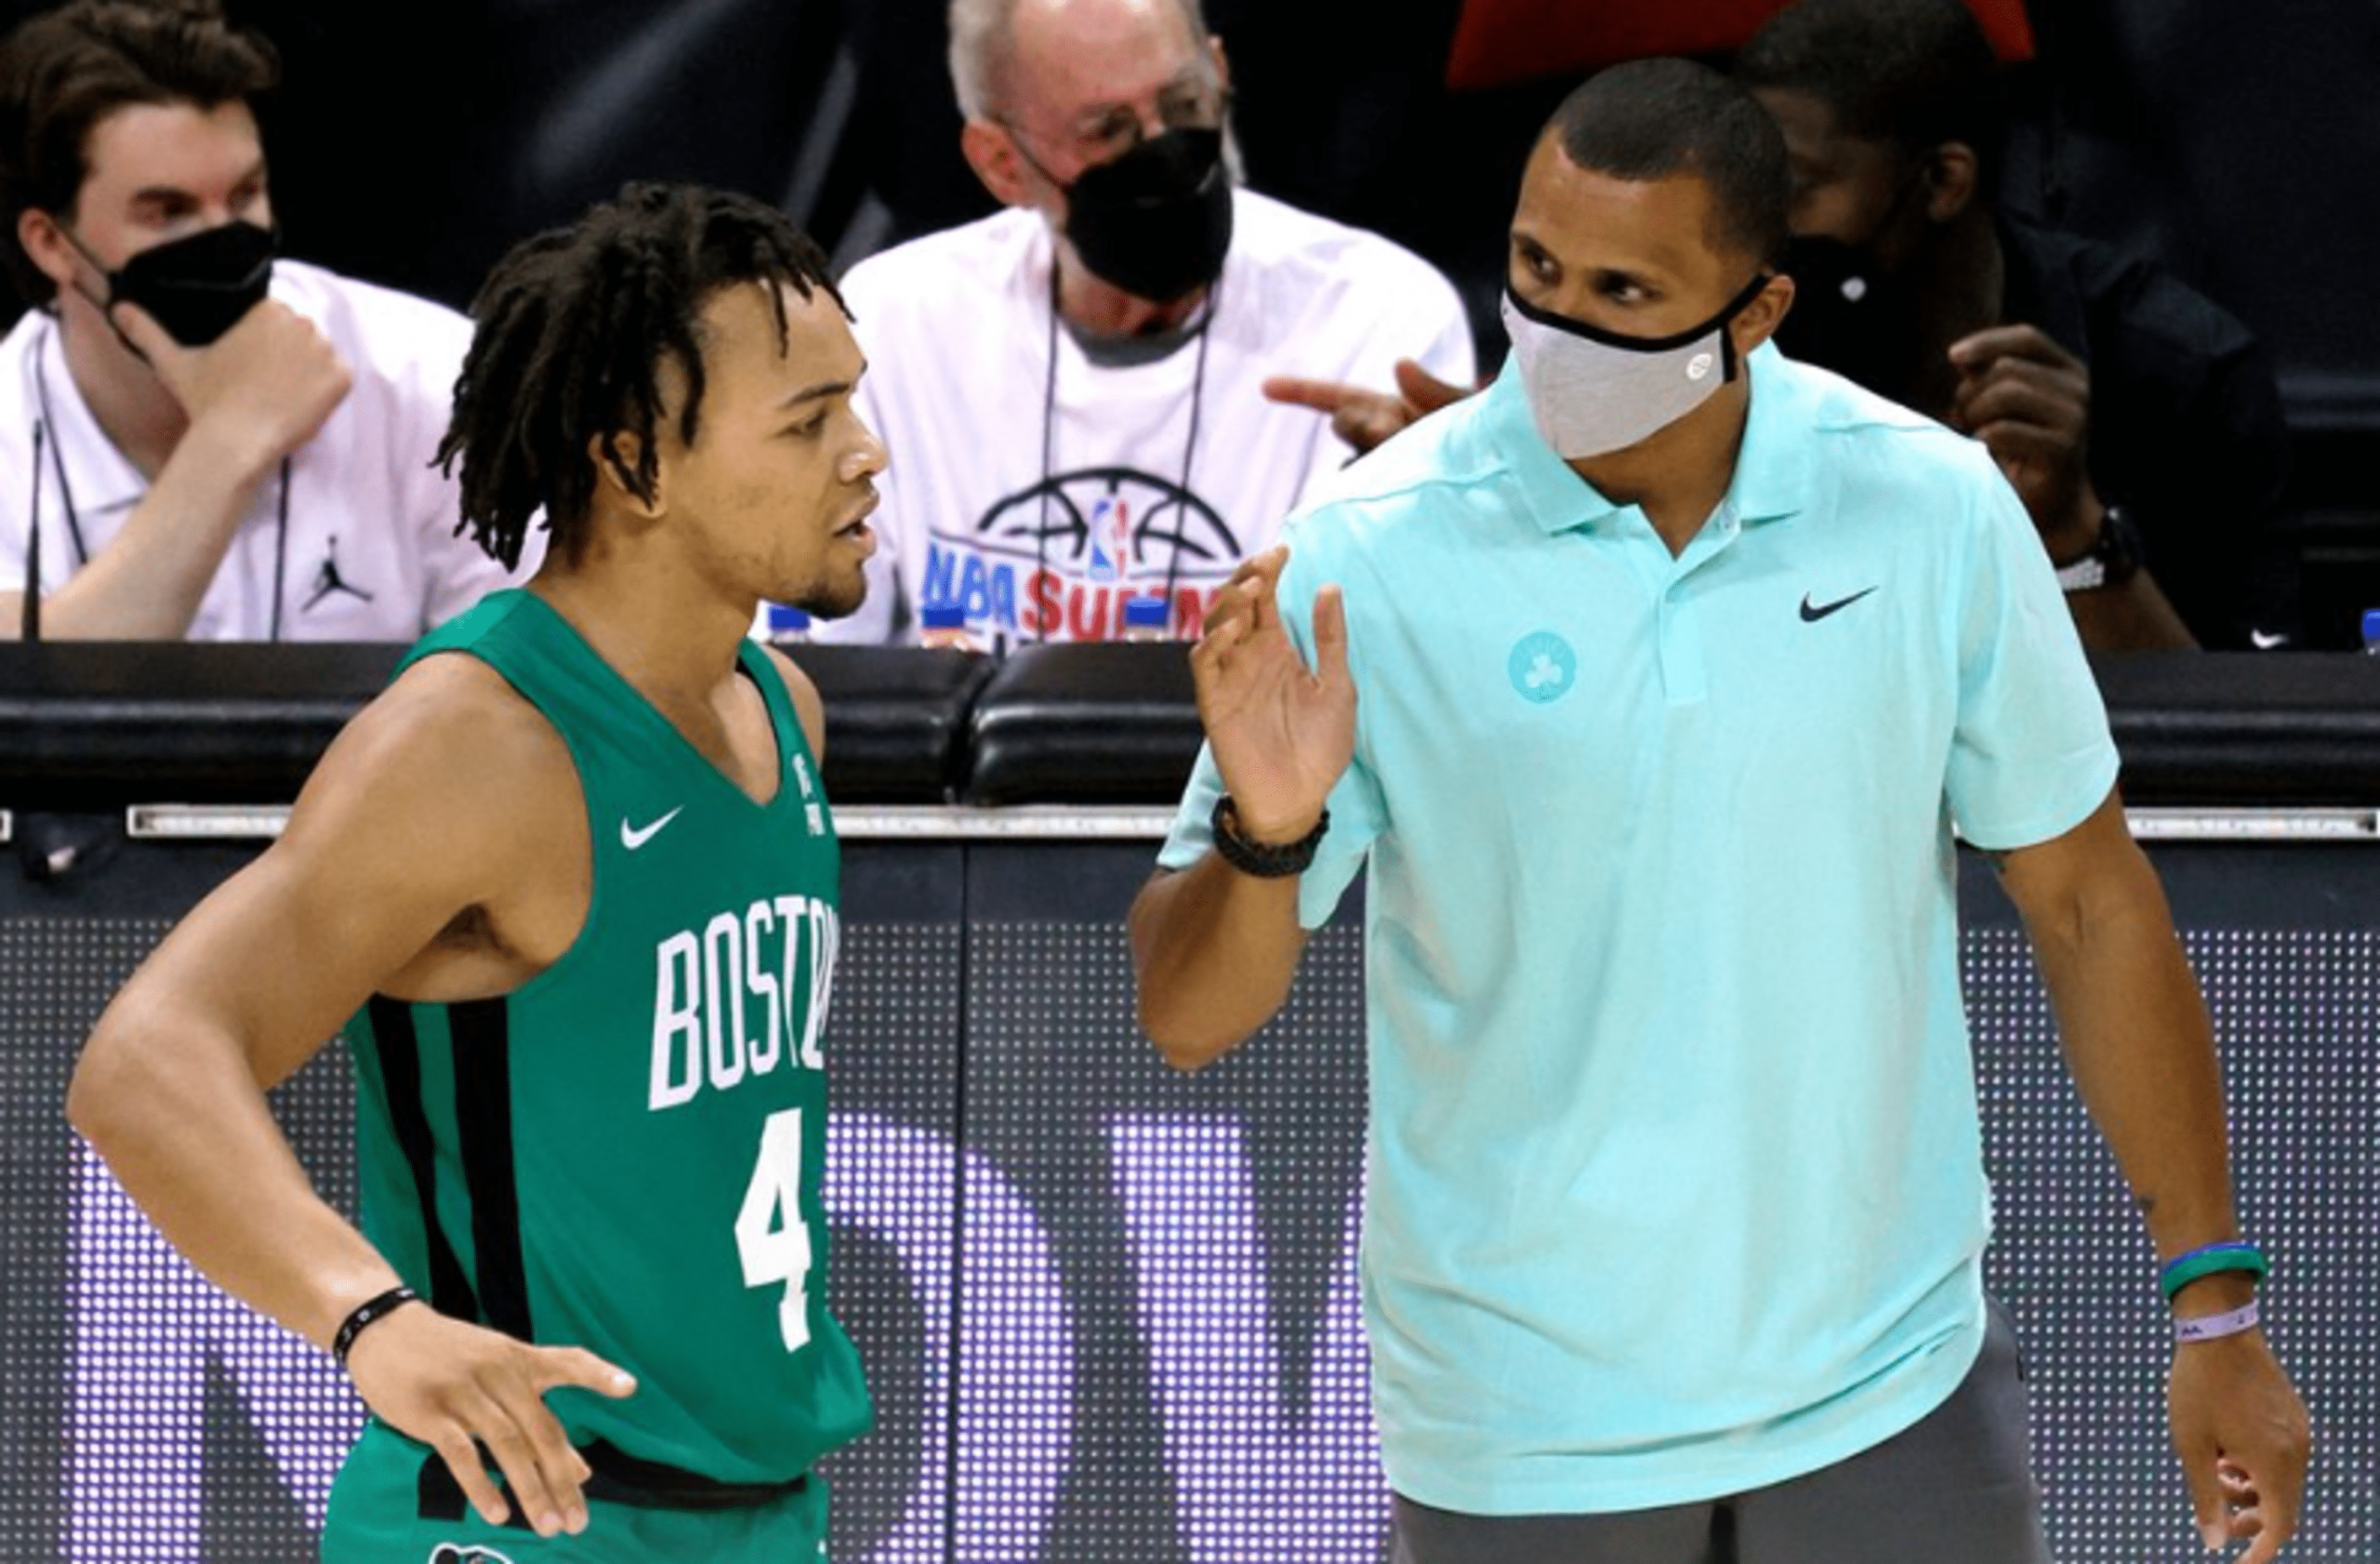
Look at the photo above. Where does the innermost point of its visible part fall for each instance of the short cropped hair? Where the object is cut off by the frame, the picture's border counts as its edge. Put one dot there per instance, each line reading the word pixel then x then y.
pixel 983 40
pixel 64 71
pixel 572 330
pixel 1650 119
pixel 1913 74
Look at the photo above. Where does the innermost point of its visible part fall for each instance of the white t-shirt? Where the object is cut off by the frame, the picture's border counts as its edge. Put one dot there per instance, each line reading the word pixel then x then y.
pixel 957 327
pixel 371 552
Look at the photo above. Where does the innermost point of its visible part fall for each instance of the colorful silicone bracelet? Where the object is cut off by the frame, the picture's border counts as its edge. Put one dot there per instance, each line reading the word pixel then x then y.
pixel 2208 1259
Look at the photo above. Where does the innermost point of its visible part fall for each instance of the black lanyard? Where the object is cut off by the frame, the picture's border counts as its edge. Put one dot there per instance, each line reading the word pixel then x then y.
pixel 1189 447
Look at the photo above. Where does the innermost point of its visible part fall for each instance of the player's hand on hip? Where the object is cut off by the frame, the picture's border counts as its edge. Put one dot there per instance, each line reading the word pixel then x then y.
pixel 1362 417
pixel 1281 732
pixel 2242 1435
pixel 259 390
pixel 2028 401
pixel 459 1387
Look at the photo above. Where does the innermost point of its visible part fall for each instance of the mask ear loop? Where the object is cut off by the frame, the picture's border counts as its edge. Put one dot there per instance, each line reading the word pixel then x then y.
pixel 1728 358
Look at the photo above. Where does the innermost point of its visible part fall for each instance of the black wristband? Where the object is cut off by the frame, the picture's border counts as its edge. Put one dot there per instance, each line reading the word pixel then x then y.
pixel 373 1308
pixel 1264 860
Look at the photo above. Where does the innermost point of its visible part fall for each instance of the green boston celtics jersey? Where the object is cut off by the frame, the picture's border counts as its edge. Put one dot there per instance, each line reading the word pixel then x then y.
pixel 625 1153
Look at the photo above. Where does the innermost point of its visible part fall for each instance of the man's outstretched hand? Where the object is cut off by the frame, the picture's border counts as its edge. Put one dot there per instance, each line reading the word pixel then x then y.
pixel 1363 417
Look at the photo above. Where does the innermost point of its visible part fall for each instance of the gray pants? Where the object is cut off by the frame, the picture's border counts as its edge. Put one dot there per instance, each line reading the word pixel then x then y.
pixel 1957 1488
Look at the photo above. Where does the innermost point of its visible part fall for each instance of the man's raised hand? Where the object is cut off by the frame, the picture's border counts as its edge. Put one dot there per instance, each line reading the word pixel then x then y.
pixel 259 390
pixel 1281 732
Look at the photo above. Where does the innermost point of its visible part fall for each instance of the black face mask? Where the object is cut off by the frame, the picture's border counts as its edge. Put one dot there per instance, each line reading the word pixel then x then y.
pixel 1852 314
pixel 1156 221
pixel 196 287
pixel 1845 316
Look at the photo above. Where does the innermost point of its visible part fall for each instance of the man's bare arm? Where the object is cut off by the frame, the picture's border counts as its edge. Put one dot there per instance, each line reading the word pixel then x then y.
pixel 2138 1042
pixel 253 396
pixel 1214 950
pixel 436 801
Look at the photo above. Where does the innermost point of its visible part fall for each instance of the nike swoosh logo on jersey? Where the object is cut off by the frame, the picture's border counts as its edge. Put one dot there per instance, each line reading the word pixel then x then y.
pixel 1812 613
pixel 2263 642
pixel 634 837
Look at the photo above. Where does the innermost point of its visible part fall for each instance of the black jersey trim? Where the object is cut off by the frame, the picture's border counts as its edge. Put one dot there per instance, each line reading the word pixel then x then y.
pixel 437 1496
pixel 617 1477
pixel 400 1050
pixel 483 1117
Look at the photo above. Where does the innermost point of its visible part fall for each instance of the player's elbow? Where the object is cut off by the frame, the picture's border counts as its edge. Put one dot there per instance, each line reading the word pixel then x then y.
pixel 1186 1041
pixel 105 1091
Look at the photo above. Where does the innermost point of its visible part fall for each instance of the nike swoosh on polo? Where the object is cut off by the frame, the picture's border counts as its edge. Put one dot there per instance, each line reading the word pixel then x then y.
pixel 634 837
pixel 2264 641
pixel 1813 612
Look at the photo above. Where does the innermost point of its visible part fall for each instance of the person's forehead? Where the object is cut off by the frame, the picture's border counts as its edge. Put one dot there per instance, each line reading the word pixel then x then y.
pixel 1815 138
pixel 1593 220
pixel 170 146
pixel 1069 55
pixel 740 343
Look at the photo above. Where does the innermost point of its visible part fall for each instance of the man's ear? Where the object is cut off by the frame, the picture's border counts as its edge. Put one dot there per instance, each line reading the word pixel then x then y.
pixel 46 245
pixel 1758 320
pixel 1953 176
pixel 991 153
pixel 616 456
pixel 1222 66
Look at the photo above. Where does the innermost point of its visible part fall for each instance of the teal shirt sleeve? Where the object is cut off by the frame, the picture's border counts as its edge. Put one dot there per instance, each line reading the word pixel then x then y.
pixel 2030 756
pixel 1358 812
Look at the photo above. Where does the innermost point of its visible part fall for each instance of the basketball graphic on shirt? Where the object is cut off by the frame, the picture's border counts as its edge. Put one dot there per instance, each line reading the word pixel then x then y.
pixel 1110 524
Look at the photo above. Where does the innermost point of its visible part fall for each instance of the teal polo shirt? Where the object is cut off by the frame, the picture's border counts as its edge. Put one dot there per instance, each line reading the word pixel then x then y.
pixel 1674 1184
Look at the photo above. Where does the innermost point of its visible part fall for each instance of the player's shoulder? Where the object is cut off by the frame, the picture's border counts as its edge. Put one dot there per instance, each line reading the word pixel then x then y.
pixel 1851 422
pixel 451 709
pixel 802 691
pixel 1867 457
pixel 449 769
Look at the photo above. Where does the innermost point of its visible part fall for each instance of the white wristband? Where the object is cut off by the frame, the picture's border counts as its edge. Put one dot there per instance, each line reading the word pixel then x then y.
pixel 2207 1327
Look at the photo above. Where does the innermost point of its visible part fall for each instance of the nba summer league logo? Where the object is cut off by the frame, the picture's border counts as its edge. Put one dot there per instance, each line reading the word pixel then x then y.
pixel 1061 558
pixel 453 1553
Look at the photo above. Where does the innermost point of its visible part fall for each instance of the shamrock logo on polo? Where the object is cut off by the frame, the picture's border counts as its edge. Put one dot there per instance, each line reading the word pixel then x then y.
pixel 1542 667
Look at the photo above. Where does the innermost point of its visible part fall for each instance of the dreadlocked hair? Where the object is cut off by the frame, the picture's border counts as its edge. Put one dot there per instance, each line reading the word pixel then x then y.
pixel 572 330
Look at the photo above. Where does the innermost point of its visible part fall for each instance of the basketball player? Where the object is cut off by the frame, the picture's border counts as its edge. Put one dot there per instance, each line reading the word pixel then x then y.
pixel 570 884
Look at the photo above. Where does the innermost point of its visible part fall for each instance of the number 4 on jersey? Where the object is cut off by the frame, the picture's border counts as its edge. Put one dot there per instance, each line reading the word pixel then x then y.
pixel 769 1235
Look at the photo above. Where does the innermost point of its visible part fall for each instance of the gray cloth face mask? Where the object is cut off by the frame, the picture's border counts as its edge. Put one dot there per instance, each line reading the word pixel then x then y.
pixel 1592 391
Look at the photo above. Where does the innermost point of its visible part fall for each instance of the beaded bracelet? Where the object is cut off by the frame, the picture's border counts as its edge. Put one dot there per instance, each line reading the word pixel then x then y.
pixel 1265 860
pixel 379 1305
pixel 2208 1259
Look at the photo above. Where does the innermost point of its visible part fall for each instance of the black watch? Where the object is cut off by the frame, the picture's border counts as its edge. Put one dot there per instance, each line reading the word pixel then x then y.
pixel 2113 558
